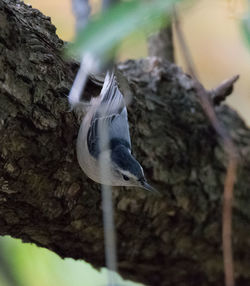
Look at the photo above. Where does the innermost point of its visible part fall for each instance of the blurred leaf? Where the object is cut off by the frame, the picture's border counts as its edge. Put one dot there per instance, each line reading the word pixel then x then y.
pixel 35 266
pixel 245 26
pixel 107 30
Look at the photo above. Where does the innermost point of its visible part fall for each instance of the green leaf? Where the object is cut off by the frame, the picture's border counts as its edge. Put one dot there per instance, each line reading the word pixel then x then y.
pixel 105 31
pixel 245 27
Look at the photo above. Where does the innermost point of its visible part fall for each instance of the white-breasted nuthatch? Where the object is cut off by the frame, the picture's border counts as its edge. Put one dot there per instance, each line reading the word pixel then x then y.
pixel 109 109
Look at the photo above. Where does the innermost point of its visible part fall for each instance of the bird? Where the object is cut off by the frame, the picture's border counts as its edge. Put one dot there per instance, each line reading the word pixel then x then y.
pixel 108 113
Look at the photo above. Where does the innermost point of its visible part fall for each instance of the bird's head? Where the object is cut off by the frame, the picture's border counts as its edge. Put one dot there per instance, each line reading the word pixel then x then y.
pixel 126 170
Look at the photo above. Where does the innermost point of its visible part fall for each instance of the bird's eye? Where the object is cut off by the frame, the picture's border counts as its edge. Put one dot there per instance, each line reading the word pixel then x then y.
pixel 126 178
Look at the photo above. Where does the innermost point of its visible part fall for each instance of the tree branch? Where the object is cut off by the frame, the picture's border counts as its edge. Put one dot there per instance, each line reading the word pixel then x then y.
pixel 161 44
pixel 46 199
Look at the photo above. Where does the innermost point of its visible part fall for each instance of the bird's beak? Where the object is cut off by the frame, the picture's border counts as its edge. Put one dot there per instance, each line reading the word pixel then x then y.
pixel 147 187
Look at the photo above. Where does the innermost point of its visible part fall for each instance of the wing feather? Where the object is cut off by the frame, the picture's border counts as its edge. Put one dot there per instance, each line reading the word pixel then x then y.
pixel 111 112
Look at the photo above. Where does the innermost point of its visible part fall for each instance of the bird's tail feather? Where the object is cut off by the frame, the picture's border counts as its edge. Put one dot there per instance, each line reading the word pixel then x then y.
pixel 111 99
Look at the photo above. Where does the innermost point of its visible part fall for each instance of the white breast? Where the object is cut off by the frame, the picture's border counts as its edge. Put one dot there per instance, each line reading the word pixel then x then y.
pixel 88 163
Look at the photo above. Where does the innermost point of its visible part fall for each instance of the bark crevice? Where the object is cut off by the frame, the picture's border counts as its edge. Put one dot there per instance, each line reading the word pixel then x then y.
pixel 46 199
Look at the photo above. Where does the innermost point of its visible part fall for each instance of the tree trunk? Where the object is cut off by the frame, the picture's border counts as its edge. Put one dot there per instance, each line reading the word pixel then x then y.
pixel 46 199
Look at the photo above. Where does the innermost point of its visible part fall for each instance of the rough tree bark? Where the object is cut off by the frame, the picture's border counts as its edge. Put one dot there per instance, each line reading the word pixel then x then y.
pixel 46 199
pixel 161 44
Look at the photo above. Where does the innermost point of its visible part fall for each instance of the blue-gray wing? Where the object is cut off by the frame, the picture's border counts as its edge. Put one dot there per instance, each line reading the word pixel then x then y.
pixel 110 116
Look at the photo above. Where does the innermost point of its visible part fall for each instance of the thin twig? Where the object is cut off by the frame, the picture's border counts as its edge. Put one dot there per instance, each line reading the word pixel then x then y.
pixel 107 206
pixel 184 48
pixel 223 90
pixel 227 222
pixel 109 232
pixel 88 64
pixel 78 85
pixel 207 104
pixel 81 10
pixel 107 203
